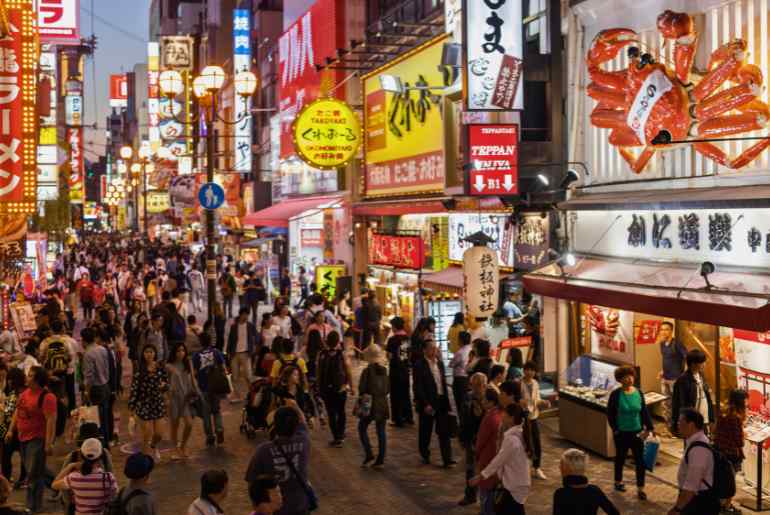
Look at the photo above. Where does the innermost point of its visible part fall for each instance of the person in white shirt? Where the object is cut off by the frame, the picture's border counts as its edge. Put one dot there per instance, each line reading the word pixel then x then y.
pixel 696 470
pixel 497 330
pixel 197 285
pixel 511 464
pixel 459 364
pixel 531 401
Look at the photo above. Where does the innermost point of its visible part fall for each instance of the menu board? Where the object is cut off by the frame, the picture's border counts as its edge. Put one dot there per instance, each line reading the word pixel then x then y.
pixel 443 311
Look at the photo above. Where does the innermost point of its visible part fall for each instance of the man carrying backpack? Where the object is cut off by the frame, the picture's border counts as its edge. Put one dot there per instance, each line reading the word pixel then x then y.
pixel 136 498
pixel 704 475
pixel 58 354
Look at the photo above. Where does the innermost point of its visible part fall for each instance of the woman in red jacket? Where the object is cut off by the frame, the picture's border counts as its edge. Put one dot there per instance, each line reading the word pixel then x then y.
pixel 486 448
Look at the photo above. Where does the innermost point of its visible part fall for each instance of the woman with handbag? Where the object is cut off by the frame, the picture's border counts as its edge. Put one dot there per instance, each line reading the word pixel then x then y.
pixel 372 404
pixel 183 394
pixel 147 400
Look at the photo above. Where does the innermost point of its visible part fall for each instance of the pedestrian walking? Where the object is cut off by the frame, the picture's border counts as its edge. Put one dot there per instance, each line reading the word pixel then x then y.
pixel 471 414
pixel 398 349
pixel 373 404
pixel 204 363
pixel 692 391
pixel 628 416
pixel 511 464
pixel 695 476
pixel 96 379
pixel 577 496
pixel 334 382
pixel 183 395
pixel 459 366
pixel 137 498
pixel 35 422
pixel 486 446
pixel 15 383
pixel 431 397
pixel 242 342
pixel 148 399
pixel 92 487
pixel 214 485
pixel 227 286
pixel 533 403
pixel 729 439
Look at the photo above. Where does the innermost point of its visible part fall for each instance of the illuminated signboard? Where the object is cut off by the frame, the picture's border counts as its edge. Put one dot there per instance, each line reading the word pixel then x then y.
pixel 58 21
pixel 327 133
pixel 242 112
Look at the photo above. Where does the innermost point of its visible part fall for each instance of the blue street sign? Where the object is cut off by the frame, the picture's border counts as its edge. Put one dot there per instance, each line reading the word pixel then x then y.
pixel 211 196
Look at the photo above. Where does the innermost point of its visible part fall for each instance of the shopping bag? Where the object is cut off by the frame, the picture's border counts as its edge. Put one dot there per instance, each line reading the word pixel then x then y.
pixel 651 446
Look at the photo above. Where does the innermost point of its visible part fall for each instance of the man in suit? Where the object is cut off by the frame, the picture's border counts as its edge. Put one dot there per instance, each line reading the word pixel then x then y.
pixel 431 398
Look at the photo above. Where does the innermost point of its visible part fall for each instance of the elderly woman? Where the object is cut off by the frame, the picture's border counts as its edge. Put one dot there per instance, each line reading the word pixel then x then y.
pixel 577 497
pixel 373 403
pixel 627 415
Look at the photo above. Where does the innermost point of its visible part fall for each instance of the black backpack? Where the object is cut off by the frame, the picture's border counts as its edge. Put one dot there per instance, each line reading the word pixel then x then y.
pixel 57 357
pixel 723 484
pixel 217 380
pixel 118 505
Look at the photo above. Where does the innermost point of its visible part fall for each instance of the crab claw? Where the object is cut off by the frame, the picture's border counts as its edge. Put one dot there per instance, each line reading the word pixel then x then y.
pixel 673 25
pixel 680 28
pixel 608 43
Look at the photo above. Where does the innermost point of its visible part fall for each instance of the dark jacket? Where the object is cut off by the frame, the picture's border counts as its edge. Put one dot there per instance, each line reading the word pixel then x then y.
pixel 426 391
pixel 577 497
pixel 686 395
pixel 612 411
pixel 374 381
pixel 251 337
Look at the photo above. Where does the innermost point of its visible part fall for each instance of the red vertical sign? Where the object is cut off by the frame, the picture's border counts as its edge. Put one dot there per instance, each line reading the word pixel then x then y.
pixel 12 142
pixel 77 165
pixel 493 154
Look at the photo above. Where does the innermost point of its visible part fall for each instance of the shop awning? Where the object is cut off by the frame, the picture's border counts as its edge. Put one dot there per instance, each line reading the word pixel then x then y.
pixel 684 198
pixel 399 207
pixel 449 279
pixel 278 215
pixel 737 300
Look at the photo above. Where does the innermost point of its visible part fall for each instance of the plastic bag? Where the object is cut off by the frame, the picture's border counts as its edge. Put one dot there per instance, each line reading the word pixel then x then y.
pixel 651 447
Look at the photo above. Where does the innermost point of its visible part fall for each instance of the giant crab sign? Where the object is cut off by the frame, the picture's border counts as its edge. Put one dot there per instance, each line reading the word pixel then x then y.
pixel 650 105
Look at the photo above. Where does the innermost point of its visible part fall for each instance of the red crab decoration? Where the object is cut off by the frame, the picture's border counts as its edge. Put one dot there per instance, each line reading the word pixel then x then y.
pixel 649 105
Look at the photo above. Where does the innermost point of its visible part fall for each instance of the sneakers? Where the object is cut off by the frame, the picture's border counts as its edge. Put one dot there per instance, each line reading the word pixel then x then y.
pixel 540 474
pixel 367 461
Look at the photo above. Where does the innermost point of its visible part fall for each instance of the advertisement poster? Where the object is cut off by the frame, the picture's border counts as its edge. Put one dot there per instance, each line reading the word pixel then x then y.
pixel 396 250
pixel 493 159
pixel 443 312
pixel 496 226
pixel 611 332
pixel 404 131
pixel 648 331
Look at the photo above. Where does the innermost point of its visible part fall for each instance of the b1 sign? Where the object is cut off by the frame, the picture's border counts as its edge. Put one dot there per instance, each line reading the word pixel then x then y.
pixel 58 21
pixel 494 153
pixel 493 39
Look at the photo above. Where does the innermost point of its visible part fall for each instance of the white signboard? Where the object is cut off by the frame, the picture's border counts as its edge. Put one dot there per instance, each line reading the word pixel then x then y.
pixel 47 191
pixel 453 20
pixel 496 226
pixel 481 279
pixel 73 105
pixel 58 21
pixel 722 236
pixel 176 53
pixel 493 38
pixel 47 154
pixel 242 112
pixel 47 173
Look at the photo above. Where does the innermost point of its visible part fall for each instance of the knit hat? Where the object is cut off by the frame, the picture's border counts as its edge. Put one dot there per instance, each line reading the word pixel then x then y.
pixel 91 449
pixel 138 466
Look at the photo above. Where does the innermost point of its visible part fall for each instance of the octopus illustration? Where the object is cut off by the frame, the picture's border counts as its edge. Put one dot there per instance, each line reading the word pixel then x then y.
pixel 652 106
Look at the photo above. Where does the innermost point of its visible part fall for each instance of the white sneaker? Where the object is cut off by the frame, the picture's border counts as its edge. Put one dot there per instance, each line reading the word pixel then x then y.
pixel 540 474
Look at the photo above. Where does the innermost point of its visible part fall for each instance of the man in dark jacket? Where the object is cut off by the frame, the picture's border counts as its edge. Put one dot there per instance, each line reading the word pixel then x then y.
pixel 692 391
pixel 335 380
pixel 241 347
pixel 431 398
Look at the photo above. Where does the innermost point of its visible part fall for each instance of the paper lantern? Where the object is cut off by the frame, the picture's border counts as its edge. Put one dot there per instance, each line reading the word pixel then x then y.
pixel 481 271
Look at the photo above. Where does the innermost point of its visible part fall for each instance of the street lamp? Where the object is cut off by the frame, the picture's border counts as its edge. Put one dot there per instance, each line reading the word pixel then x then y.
pixel 206 87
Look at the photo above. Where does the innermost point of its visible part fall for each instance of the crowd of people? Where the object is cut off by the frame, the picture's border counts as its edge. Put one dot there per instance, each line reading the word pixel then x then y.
pixel 121 320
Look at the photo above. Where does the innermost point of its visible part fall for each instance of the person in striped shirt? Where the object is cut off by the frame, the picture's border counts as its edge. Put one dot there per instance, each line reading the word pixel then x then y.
pixel 92 488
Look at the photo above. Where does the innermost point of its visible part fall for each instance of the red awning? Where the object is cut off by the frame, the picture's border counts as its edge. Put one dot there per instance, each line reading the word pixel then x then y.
pixel 449 278
pixel 737 300
pixel 398 207
pixel 278 215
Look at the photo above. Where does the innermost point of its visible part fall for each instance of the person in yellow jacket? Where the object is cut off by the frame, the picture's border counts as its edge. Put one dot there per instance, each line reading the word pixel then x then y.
pixel 458 326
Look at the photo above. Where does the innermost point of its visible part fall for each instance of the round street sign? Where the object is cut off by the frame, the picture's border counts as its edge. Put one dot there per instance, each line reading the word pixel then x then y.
pixel 211 196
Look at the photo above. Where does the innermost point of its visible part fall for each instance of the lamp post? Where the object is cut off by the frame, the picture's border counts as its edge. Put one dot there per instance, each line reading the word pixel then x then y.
pixel 144 165
pixel 206 87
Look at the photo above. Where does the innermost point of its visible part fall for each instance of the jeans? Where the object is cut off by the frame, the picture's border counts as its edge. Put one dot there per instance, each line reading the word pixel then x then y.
pixel 427 423
pixel 33 457
pixel 363 433
pixel 7 460
pixel 210 405
pixel 335 410
pixel 400 400
pixel 487 501
pixel 228 306
pixel 537 450
pixel 460 391
pixel 100 397
pixel 509 506
pixel 625 441
pixel 470 471
pixel 254 307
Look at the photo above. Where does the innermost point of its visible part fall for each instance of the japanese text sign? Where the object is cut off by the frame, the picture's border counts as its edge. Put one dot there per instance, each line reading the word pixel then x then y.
pixel 494 225
pixel 315 35
pixel 76 163
pixel 58 21
pixel 493 153
pixel 326 279
pixel 404 131
pixel 532 242
pixel 176 53
pixel 118 90
pixel 242 111
pixel 18 167
pixel 397 250
pixel 311 238
pixel 327 133
pixel 493 38
pixel 481 281
pixel 648 331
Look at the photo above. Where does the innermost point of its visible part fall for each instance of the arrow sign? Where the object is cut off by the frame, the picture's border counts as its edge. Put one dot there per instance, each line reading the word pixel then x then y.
pixel 479 184
pixel 328 275
pixel 508 183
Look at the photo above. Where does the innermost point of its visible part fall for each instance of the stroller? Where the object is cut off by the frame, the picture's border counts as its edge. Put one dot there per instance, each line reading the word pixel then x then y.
pixel 258 401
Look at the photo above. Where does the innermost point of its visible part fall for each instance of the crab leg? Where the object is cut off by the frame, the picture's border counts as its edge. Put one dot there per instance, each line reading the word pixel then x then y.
pixel 731 124
pixel 716 77
pixel 609 118
pixel 715 153
pixel 680 27
pixel 637 164
pixel 726 100
pixel 606 97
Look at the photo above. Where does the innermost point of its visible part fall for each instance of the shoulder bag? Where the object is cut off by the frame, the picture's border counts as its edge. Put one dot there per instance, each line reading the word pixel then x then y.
pixel 312 497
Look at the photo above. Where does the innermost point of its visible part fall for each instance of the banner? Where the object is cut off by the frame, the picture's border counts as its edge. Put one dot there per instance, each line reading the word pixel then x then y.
pixel 242 111
pixel 58 21
pixel 494 159
pixel 494 52
pixel 396 250
pixel 77 164
pixel 18 167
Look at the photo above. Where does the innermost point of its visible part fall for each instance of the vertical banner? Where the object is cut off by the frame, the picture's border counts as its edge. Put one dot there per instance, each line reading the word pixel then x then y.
pixel 242 111
pixel 494 159
pixel 18 167
pixel 77 165
pixel 493 61
pixel 118 90
pixel 153 94
pixel 481 281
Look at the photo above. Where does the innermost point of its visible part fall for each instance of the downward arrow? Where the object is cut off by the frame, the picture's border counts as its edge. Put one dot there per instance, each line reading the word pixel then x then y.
pixel 508 183
pixel 479 185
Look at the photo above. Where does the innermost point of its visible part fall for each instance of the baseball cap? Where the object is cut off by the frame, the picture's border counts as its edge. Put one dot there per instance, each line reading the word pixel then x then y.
pixel 91 449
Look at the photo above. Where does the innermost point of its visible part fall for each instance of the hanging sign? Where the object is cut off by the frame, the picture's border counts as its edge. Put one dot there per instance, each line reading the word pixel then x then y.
pixel 311 238
pixel 493 154
pixel 493 63
pixel 327 133
pixel 397 250
pixel 77 164
pixel 158 201
pixel 119 90
pixel 326 279
pixel 481 273
pixel 241 63
pixel 58 21
pixel 176 53
pixel 532 242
